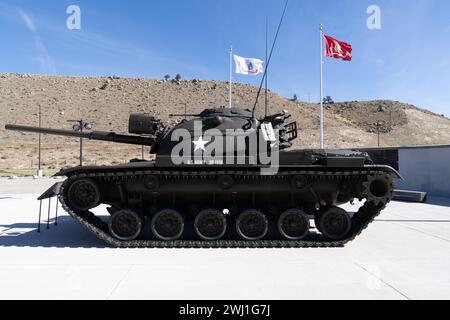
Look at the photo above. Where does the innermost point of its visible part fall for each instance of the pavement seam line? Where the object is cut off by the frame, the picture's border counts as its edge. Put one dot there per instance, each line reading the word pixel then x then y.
pixel 119 283
pixel 383 281
pixel 422 232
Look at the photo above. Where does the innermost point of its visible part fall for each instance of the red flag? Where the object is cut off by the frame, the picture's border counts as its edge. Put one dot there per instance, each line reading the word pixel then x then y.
pixel 338 49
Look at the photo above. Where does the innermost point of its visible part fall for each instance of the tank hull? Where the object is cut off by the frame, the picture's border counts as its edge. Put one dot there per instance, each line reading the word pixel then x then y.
pixel 147 189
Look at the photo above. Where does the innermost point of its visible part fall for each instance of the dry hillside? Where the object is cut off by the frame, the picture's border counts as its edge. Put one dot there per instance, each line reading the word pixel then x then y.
pixel 107 102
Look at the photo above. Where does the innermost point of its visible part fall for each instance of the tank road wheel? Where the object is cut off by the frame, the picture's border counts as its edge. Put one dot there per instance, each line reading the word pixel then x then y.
pixel 334 223
pixel 125 225
pixel 210 224
pixel 252 225
pixel 83 194
pixel 378 188
pixel 168 225
pixel 294 224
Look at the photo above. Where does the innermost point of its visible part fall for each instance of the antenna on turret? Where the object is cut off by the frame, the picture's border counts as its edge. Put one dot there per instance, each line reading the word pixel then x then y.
pixel 270 58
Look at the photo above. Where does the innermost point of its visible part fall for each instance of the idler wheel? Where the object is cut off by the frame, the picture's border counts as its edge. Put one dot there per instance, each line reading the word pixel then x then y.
pixel 334 223
pixel 125 225
pixel 378 188
pixel 294 224
pixel 168 225
pixel 210 224
pixel 83 194
pixel 252 225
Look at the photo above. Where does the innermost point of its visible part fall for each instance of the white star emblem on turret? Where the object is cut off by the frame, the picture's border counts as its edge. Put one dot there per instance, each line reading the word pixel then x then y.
pixel 200 144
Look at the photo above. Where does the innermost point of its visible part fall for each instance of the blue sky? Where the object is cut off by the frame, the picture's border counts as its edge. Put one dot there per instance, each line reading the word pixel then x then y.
pixel 407 60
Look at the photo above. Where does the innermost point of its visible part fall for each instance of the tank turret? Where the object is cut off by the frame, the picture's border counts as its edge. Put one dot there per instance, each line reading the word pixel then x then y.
pixel 147 130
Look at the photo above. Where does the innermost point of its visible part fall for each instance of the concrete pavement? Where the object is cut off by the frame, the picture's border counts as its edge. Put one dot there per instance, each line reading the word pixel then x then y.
pixel 405 254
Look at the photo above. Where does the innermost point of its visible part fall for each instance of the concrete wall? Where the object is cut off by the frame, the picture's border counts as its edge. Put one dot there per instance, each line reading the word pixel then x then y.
pixel 426 169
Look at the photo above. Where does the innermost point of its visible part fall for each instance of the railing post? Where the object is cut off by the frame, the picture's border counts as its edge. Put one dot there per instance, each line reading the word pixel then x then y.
pixel 48 216
pixel 39 221
pixel 56 216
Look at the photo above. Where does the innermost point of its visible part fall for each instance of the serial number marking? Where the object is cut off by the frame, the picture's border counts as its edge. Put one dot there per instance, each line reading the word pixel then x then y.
pixel 205 162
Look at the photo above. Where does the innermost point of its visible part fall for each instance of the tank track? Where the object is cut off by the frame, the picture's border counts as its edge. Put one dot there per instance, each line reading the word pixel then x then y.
pixel 360 220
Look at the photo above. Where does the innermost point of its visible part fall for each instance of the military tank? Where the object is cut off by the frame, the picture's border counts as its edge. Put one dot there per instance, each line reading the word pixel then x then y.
pixel 190 196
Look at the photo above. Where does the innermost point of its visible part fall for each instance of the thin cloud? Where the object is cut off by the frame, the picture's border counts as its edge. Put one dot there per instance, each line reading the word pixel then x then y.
pixel 138 56
pixel 27 20
pixel 43 58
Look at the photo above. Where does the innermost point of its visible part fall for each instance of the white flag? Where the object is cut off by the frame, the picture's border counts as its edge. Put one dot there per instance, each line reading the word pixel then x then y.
pixel 248 66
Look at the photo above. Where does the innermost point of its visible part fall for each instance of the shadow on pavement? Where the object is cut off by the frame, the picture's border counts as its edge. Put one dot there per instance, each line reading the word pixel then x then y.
pixel 443 202
pixel 68 234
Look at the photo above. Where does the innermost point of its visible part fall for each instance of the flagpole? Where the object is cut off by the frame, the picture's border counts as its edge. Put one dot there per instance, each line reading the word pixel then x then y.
pixel 321 88
pixel 230 104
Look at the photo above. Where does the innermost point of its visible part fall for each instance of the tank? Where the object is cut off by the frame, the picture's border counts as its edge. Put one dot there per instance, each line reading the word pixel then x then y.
pixel 224 179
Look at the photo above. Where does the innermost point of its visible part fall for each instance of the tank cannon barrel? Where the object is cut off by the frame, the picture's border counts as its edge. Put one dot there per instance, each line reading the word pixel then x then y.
pixel 95 135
